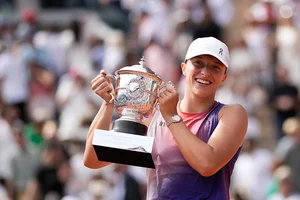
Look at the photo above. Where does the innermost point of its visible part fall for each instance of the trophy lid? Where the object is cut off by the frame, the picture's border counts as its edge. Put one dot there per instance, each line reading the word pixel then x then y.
pixel 139 68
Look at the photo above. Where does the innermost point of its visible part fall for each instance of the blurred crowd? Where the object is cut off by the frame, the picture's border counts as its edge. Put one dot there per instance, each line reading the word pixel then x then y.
pixel 47 104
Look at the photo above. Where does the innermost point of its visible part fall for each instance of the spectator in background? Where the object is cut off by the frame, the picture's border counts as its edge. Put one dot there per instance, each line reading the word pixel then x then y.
pixel 42 86
pixel 207 27
pixel 8 145
pixel 125 186
pixel 287 42
pixel 290 127
pixel 52 174
pixel 81 56
pixel 258 32
pixel 33 131
pixel 292 158
pixel 160 59
pixel 23 165
pixel 96 52
pixel 284 177
pixel 78 184
pixel 54 42
pixel 284 99
pixel 72 94
pixel 114 52
pixel 28 24
pixel 14 79
pixel 252 173
pixel 98 189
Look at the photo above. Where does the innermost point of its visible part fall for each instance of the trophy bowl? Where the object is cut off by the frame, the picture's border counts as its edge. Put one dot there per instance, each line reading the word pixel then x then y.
pixel 136 91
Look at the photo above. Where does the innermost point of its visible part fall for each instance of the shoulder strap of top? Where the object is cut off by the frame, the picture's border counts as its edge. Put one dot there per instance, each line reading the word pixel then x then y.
pixel 209 123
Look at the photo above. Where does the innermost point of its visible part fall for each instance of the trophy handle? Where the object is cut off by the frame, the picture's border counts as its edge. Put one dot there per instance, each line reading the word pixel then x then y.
pixel 113 80
pixel 161 88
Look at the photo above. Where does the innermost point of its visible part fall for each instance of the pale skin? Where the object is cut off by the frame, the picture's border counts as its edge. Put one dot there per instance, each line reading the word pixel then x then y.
pixel 202 81
pixel 101 86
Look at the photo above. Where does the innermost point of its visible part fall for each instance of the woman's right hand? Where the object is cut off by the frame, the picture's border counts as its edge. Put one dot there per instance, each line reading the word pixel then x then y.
pixel 103 87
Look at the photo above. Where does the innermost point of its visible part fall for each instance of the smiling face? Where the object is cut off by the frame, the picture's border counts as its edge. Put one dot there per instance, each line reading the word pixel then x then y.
pixel 204 75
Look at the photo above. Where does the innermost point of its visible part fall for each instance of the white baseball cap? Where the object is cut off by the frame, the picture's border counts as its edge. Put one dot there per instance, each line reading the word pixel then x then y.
pixel 209 46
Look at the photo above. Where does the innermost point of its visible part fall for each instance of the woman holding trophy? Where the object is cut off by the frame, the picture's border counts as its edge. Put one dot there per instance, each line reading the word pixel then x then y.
pixel 196 139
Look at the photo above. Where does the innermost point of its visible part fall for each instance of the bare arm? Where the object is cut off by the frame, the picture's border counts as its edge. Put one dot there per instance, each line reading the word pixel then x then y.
pixel 208 158
pixel 227 138
pixel 101 121
pixel 102 87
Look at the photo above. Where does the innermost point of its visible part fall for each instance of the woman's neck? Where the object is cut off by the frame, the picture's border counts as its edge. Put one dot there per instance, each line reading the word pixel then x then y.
pixel 196 105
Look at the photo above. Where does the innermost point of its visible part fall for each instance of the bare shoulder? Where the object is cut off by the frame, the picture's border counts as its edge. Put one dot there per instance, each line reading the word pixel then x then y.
pixel 233 111
pixel 234 117
pixel 232 127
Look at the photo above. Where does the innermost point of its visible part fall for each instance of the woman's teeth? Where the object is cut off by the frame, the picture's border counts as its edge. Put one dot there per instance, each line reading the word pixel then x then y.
pixel 203 81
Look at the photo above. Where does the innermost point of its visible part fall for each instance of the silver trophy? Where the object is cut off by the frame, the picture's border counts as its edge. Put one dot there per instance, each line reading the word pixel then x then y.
pixel 136 93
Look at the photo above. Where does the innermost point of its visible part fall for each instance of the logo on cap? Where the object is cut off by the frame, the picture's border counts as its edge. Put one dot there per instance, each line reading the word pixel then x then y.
pixel 221 51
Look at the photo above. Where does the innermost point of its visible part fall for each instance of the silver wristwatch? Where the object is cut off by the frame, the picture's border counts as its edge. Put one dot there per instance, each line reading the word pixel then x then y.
pixel 174 119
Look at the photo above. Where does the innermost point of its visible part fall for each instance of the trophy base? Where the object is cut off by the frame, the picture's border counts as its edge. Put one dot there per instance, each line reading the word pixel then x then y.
pixel 131 127
pixel 122 148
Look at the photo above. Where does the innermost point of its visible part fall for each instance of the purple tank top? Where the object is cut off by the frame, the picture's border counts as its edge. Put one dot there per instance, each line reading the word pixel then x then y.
pixel 173 177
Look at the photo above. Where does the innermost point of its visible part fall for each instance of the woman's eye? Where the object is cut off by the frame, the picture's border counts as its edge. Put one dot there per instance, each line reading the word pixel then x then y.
pixel 199 63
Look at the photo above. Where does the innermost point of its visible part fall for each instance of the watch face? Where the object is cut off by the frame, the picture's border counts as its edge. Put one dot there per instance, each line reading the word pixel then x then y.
pixel 176 118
